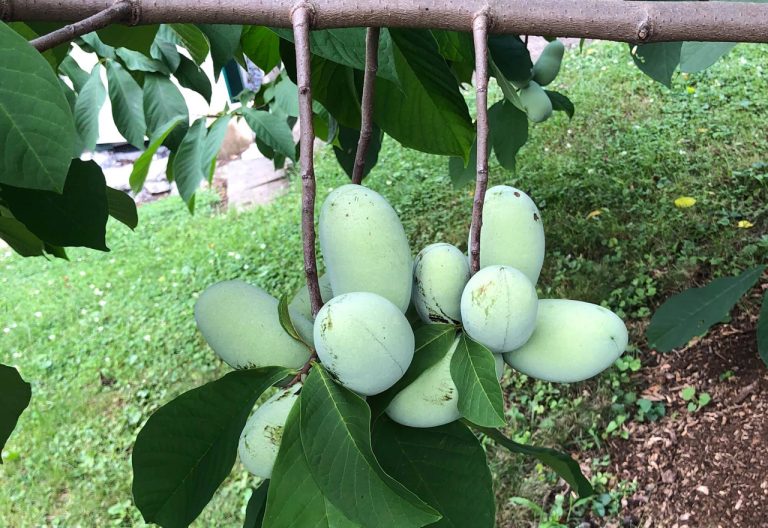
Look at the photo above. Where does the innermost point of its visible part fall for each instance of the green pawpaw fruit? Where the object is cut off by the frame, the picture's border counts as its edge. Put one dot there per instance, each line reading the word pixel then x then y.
pixel 300 302
pixel 364 245
pixel 241 324
pixel 260 439
pixel 364 340
pixel 440 272
pixel 573 341
pixel 536 102
pixel 548 66
pixel 512 232
pixel 498 308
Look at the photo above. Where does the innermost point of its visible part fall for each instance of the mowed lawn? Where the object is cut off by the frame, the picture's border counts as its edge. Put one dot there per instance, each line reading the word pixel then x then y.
pixel 106 338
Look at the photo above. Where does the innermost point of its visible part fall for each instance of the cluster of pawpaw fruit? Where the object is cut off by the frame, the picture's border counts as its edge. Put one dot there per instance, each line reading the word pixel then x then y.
pixel 363 337
pixel 533 98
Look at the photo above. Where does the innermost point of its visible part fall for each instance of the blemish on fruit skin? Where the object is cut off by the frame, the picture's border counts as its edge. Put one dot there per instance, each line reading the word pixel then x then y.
pixel 274 434
pixel 517 194
pixel 535 217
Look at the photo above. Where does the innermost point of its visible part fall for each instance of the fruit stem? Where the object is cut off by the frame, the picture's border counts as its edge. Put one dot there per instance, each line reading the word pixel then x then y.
pixel 366 107
pixel 304 370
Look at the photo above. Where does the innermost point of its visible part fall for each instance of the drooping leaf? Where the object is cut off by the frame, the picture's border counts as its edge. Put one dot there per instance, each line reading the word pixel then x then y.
pixel 560 463
pixel 283 94
pixel 193 40
pixel 93 43
pixel 511 57
pixel 285 318
pixel 122 207
pixel 77 217
pixel 257 504
pixel 561 103
pixel 87 108
pixel 762 330
pixel 460 173
pixel 224 40
pixel 15 394
pixel 335 434
pixel 262 46
pixel 135 61
pixel 473 370
pixel 191 76
pixel 509 132
pixel 143 162
pixel 188 446
pixel 56 251
pixel 509 91
pixel 213 141
pixel 127 104
pixel 76 74
pixel 692 312
pixel 22 240
pixel 347 149
pixel 163 103
pixel 37 131
pixel 698 56
pixel 658 60
pixel 446 466
pixel 272 130
pixel 189 169
pixel 137 38
pixel 458 48
pixel 164 49
pixel 54 55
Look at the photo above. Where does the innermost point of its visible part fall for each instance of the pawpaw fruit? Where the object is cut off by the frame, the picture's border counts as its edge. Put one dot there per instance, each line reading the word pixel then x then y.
pixel 548 66
pixel 440 272
pixel 536 102
pixel 300 301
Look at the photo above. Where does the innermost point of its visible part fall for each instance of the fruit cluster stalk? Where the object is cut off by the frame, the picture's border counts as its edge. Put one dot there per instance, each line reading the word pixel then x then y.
pixel 366 107
pixel 480 34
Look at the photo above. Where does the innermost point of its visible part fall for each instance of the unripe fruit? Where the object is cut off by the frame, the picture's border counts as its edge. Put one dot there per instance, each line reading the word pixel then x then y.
pixel 364 245
pixel 512 232
pixel 240 323
pixel 300 302
pixel 260 439
pixel 432 399
pixel 548 66
pixel 365 341
pixel 536 102
pixel 440 273
pixel 573 341
pixel 498 308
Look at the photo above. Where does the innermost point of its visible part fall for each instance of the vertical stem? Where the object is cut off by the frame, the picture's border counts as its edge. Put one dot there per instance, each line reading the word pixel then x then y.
pixel 301 21
pixel 480 34
pixel 366 109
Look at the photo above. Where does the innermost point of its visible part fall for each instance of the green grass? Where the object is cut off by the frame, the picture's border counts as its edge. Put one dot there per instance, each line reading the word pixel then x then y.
pixel 107 338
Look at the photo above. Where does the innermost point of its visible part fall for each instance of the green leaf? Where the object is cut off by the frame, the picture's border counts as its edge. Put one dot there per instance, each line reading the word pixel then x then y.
pixel 294 499
pixel 445 465
pixel 137 38
pixel 15 394
pixel 284 94
pixel 347 149
pixel 122 207
pixel 164 49
pixel 285 318
pixel 511 57
pixel 460 173
pixel 272 130
pixel 76 74
pixel 191 76
pixel 561 103
pixel 509 91
pixel 224 40
pixel 262 46
pixel 135 61
pixel 335 433
pixel 55 55
pixel 762 331
pixel 560 463
pixel 658 60
pixel 22 240
pixel 193 40
pixel 473 370
pixel 692 312
pixel 164 103
pixel 213 141
pixel 257 504
pixel 77 217
pixel 509 132
pixel 189 169
pixel 127 104
pixel 431 115
pixel 37 131
pixel 688 393
pixel 188 446
pixel 698 56
pixel 143 162
pixel 87 108
pixel 93 43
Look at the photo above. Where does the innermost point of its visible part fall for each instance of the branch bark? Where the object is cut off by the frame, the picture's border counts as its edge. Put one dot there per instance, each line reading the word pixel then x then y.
pixel 480 35
pixel 302 18
pixel 366 108
pixel 628 21
pixel 115 13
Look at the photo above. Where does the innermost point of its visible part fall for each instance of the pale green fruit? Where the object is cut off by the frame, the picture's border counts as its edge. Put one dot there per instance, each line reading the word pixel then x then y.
pixel 536 102
pixel 432 399
pixel 512 232
pixel 573 341
pixel 440 273
pixel 260 439
pixel 548 66
pixel 365 341
pixel 300 302
pixel 498 308
pixel 240 323
pixel 364 245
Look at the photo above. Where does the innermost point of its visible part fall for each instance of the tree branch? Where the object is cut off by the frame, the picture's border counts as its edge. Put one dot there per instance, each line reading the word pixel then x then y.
pixel 366 108
pixel 301 17
pixel 636 22
pixel 114 13
pixel 480 35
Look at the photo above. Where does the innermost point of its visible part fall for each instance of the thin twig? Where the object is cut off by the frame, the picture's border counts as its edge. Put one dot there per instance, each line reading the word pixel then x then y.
pixel 114 13
pixel 304 370
pixel 480 34
pixel 366 107
pixel 301 21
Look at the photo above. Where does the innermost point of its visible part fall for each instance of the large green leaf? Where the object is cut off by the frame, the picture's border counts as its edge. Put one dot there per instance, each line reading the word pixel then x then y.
pixel 698 56
pixel 431 115
pixel 163 103
pixel 473 370
pixel 127 104
pixel 37 131
pixel 560 463
pixel 165 50
pixel 294 499
pixel 189 168
pixel 346 151
pixel 658 60
pixel 692 312
pixel 188 446
pixel 561 103
pixel 191 76
pixel 122 207
pixel 137 38
pixel 213 141
pixel 192 39
pixel 87 107
pixel 135 61
pixel 55 55
pixel 76 74
pixel 272 130
pixel 762 331
pixel 262 46
pixel 143 162
pixel 77 217
pixel 22 240
pixel 257 504
pixel 462 173
pixel 446 466
pixel 15 394
pixel 509 132
pixel 224 39
pixel 511 57
pixel 335 433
